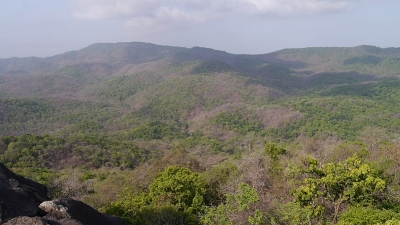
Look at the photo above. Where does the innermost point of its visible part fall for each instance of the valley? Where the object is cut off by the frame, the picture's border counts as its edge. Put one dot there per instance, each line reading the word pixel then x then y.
pixel 118 126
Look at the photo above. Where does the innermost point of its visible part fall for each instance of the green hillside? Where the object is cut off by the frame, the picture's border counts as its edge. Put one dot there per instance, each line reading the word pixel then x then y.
pixel 362 59
pixel 247 132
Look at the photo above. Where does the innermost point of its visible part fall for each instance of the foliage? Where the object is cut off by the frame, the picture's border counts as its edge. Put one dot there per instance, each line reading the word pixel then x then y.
pixel 293 213
pixel 19 114
pixel 366 215
pixel 239 202
pixel 367 59
pixel 273 152
pixel 33 151
pixel 343 111
pixel 123 87
pixel 30 150
pixel 156 130
pixel 216 177
pixel 135 108
pixel 323 80
pixel 237 122
pixel 390 222
pixel 328 188
pixel 177 191
pixel 211 144
pixel 178 186
pixel 212 66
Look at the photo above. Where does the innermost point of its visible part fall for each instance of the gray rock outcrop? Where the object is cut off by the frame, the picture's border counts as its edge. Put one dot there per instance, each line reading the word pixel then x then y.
pixel 19 196
pixel 25 202
pixel 63 210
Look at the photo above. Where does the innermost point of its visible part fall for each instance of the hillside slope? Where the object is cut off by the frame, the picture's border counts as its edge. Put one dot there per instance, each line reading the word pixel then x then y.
pixel 114 88
pixel 252 135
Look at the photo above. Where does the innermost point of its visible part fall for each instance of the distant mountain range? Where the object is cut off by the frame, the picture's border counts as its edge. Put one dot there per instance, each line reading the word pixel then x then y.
pixel 102 123
pixel 115 87
pixel 117 56
pixel 100 62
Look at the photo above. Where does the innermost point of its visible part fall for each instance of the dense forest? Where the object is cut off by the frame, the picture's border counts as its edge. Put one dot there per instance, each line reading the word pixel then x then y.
pixel 169 135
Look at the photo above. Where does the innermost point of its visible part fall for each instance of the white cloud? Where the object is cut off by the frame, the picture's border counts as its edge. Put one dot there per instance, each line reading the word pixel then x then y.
pixel 165 18
pixel 105 9
pixel 167 12
pixel 293 7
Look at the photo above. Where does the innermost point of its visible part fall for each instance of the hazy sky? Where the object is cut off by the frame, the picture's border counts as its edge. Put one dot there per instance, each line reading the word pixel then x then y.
pixel 49 27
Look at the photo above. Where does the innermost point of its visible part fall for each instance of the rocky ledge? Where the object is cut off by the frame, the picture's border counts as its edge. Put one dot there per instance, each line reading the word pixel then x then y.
pixel 24 202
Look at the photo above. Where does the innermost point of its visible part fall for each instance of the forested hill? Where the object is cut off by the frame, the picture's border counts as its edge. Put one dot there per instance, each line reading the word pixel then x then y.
pixel 119 56
pixel 289 68
pixel 116 87
pixel 297 136
pixel 362 59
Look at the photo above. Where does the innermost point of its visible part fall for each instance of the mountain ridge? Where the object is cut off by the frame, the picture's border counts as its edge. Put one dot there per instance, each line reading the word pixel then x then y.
pixel 140 52
pixel 137 81
pixel 101 124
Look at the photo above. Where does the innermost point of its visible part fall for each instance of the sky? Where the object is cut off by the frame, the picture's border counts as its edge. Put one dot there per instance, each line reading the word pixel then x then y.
pixel 45 28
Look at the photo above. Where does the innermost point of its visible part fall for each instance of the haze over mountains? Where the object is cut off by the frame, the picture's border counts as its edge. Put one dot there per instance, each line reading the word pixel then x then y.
pixel 104 61
pixel 106 84
pixel 118 56
pixel 102 123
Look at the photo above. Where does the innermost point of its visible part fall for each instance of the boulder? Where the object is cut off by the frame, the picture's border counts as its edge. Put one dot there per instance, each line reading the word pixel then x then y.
pixel 24 202
pixel 63 210
pixel 24 220
pixel 54 209
pixel 19 196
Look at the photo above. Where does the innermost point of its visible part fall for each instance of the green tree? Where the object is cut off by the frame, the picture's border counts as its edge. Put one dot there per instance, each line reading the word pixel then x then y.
pixel 368 215
pixel 329 187
pixel 179 186
pixel 236 204
pixel 273 152
pixel 177 195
